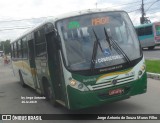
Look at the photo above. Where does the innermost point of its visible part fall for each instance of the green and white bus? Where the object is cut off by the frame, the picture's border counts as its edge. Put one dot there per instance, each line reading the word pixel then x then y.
pixel 82 59
pixel 149 35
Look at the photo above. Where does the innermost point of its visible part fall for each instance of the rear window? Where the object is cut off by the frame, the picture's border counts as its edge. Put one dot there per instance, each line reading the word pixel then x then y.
pixel 144 31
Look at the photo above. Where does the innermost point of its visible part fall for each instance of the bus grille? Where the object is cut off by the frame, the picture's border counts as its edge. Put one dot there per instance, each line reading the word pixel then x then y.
pixel 109 83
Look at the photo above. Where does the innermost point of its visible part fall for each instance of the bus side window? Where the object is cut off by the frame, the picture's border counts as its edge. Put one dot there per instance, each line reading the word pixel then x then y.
pixel 40 42
pixel 31 51
pixel 12 49
pixel 24 48
pixel 19 49
pixel 15 50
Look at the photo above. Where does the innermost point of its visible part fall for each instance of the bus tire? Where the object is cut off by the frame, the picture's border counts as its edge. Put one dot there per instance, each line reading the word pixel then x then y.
pixel 151 47
pixel 48 92
pixel 21 80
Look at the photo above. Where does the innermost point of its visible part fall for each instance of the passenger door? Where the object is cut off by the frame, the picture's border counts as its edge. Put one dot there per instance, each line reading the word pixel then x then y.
pixel 54 65
pixel 40 55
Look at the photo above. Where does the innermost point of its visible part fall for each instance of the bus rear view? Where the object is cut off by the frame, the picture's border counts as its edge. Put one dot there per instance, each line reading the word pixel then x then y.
pixel 102 58
pixel 149 35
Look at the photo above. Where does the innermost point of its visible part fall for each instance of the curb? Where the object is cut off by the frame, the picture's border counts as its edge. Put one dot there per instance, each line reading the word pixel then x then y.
pixel 153 75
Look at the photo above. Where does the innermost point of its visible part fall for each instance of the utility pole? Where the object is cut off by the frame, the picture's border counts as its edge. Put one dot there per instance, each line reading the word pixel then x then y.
pixel 142 19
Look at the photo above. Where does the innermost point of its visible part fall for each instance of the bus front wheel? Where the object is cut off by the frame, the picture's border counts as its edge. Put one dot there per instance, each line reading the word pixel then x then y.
pixel 49 94
pixel 151 48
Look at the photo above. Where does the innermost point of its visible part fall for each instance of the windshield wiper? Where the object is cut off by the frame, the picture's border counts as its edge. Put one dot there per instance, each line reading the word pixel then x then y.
pixel 95 48
pixel 117 48
pixel 107 39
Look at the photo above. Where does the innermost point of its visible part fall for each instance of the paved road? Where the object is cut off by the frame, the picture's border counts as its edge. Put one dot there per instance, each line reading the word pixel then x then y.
pixel 152 54
pixel 11 92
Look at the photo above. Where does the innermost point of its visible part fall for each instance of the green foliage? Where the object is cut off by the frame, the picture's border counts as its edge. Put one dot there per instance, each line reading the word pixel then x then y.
pixel 5 46
pixel 153 66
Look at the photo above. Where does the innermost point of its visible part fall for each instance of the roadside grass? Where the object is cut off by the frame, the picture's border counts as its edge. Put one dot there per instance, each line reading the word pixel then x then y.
pixel 153 66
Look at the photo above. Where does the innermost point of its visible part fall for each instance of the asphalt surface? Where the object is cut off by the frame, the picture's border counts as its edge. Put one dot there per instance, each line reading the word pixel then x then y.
pixel 11 92
pixel 152 54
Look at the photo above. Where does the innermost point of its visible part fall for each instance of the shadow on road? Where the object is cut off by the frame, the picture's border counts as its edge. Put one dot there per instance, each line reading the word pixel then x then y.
pixel 110 108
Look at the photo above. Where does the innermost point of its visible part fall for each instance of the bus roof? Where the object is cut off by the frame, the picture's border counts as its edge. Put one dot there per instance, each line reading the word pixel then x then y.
pixel 144 25
pixel 66 15
pixel 83 12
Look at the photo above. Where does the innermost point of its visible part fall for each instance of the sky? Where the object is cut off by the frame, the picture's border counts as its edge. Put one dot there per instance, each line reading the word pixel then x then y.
pixel 16 16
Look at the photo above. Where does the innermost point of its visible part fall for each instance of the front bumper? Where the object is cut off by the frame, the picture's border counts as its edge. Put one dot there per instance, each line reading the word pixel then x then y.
pixel 79 100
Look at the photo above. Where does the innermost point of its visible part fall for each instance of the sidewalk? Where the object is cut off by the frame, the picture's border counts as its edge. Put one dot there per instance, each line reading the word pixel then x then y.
pixel 153 75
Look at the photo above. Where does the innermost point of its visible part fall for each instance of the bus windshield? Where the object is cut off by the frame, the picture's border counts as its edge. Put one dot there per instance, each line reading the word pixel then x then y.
pixel 78 35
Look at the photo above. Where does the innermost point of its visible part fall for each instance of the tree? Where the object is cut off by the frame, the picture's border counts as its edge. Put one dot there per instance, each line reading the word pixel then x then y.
pixel 5 46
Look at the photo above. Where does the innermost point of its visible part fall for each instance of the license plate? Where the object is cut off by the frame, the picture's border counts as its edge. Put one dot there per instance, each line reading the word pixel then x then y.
pixel 116 91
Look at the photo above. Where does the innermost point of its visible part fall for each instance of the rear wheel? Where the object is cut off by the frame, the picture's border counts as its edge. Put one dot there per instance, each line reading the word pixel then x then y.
pixel 21 80
pixel 151 48
pixel 48 92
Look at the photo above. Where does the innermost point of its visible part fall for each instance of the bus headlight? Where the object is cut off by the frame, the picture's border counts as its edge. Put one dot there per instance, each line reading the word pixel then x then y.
pixel 143 67
pixel 73 82
pixel 77 85
pixel 142 70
